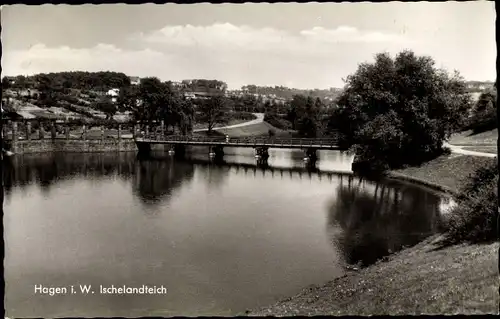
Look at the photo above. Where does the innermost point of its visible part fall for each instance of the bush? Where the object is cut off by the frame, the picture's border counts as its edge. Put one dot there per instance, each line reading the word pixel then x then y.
pixel 474 219
pixel 246 116
pixel 70 99
pixel 277 121
pixel 483 122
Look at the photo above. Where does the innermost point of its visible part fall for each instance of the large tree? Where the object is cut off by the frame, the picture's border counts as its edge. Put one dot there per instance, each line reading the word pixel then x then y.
pixel 213 111
pixel 484 113
pixel 106 106
pixel 398 111
pixel 155 101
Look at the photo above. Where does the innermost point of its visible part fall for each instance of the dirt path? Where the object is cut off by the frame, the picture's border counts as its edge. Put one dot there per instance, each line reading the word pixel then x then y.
pixel 259 119
pixel 459 150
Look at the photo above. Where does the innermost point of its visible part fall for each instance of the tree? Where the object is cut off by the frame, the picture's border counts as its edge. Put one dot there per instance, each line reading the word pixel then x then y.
pixel 128 100
pixel 212 111
pixel 398 111
pixel 106 106
pixel 295 108
pixel 154 101
pixel 5 83
pixel 307 123
pixel 484 113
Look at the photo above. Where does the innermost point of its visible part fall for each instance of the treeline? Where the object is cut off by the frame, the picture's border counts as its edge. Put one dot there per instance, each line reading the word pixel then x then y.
pixel 99 81
pixel 203 85
pixel 289 93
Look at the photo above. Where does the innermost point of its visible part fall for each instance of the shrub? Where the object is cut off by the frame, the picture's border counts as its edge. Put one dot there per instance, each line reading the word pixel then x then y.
pixel 277 121
pixel 70 99
pixel 482 122
pixel 473 219
pixel 247 116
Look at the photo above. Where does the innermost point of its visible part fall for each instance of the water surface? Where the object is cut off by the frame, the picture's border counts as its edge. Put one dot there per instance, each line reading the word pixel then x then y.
pixel 222 238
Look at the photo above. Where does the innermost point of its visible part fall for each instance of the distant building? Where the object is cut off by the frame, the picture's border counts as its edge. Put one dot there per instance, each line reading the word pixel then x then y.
pixel 134 80
pixel 113 93
pixel 189 95
pixel 479 86
pixel 29 92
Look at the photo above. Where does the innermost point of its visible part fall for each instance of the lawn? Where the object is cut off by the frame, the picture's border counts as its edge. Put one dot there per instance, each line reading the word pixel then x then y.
pixel 199 126
pixel 482 148
pixel 467 138
pixel 259 129
pixel 448 172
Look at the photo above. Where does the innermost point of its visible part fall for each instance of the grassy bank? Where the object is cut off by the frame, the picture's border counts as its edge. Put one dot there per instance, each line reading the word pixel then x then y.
pixel 467 138
pixel 419 280
pixel 424 279
pixel 447 173
pixel 199 126
pixel 258 129
pixel 482 148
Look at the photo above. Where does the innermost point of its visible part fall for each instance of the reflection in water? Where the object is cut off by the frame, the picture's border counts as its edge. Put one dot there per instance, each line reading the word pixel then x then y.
pixel 155 179
pixel 375 221
pixel 226 235
pixel 48 168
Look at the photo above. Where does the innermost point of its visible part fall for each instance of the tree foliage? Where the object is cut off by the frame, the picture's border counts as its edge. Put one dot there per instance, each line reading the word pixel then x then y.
pixel 398 111
pixel 153 101
pixel 106 106
pixel 474 218
pixel 304 114
pixel 82 80
pixel 213 111
pixel 484 114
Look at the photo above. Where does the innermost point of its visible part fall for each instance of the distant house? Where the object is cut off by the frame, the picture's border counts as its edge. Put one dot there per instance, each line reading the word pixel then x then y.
pixel 134 80
pixel 189 95
pixel 113 93
pixel 29 93
pixel 475 86
pixel 11 79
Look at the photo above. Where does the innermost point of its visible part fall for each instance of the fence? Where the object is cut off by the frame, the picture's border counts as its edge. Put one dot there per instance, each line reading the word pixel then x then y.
pixel 39 130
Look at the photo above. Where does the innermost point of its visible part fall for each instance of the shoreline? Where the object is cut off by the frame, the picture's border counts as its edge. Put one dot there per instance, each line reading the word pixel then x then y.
pixel 442 190
pixel 421 273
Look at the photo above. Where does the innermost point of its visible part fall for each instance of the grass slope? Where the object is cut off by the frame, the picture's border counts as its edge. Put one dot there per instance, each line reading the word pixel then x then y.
pixel 482 148
pixel 419 280
pixel 259 129
pixel 467 138
pixel 447 171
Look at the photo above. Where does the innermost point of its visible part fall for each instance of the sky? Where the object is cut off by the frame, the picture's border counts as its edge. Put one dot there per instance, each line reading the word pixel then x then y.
pixel 313 45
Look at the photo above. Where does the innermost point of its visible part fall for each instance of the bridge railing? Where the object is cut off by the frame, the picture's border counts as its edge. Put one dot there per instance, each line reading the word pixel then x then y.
pixel 258 141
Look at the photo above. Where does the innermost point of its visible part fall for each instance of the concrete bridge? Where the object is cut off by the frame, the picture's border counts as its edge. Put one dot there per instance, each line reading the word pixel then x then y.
pixel 216 144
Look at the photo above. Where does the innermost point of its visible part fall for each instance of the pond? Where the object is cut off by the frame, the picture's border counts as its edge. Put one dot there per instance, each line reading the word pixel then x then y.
pixel 220 237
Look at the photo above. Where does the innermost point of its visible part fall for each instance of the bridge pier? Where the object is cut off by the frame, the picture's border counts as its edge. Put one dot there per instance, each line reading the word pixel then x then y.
pixel 143 148
pixel 311 155
pixel 262 163
pixel 216 151
pixel 179 150
pixel 262 152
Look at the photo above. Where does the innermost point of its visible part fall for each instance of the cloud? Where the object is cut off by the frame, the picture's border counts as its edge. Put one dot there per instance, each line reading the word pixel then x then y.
pixel 42 59
pixel 219 35
pixel 347 34
pixel 315 57
pixel 228 37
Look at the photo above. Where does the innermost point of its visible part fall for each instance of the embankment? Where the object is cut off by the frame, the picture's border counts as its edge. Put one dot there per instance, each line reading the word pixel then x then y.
pixel 447 173
pixel 73 145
